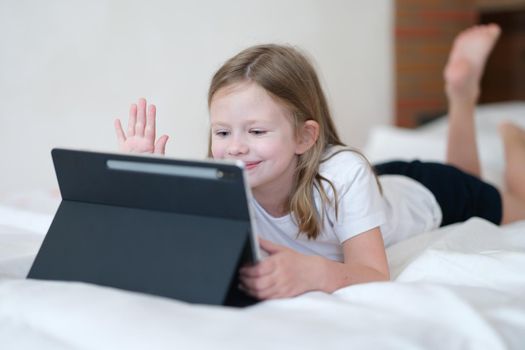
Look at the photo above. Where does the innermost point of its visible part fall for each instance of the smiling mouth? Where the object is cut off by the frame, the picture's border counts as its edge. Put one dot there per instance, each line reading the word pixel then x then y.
pixel 251 165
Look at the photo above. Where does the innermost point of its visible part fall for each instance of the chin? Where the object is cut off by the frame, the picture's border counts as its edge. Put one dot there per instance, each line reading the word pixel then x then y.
pixel 253 183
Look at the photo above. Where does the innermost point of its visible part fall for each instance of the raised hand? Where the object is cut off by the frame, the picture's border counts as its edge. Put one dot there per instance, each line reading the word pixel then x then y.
pixel 140 137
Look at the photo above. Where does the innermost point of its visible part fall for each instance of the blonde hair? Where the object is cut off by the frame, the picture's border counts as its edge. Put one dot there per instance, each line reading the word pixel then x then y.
pixel 289 77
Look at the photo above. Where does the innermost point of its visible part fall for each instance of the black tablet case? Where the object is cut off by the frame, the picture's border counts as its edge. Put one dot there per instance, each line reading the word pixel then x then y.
pixel 176 236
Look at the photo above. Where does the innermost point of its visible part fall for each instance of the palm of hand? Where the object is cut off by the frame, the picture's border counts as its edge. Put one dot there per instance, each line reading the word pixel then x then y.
pixel 140 137
pixel 138 144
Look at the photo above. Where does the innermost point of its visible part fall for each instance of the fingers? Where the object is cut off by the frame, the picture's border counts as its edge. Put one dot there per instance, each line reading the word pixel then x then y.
pixel 258 286
pixel 132 119
pixel 258 281
pixel 265 267
pixel 149 131
pixel 141 117
pixel 160 145
pixel 266 288
pixel 121 137
pixel 272 292
pixel 141 129
pixel 266 281
pixel 269 246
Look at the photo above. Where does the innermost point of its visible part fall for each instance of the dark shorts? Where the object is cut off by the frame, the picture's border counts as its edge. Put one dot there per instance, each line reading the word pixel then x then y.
pixel 460 195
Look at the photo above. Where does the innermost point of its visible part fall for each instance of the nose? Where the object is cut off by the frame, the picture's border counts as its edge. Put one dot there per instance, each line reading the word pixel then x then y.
pixel 237 146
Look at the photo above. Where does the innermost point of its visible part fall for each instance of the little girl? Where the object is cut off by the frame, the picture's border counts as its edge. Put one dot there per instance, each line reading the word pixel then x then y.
pixel 322 214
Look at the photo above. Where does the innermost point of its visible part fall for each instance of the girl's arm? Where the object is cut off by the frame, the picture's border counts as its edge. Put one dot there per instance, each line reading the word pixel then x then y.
pixel 286 273
pixel 140 137
pixel 365 261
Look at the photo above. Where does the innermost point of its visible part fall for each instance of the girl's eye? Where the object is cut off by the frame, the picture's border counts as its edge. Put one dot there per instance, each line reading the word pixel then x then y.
pixel 221 133
pixel 257 132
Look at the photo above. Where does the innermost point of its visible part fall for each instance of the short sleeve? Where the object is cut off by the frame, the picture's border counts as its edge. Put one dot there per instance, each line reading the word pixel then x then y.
pixel 360 205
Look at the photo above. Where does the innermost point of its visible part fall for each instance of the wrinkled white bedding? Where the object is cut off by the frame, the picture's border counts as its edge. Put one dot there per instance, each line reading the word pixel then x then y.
pixel 459 287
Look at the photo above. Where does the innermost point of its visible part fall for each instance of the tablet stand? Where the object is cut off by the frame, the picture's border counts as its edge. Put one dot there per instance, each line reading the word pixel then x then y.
pixel 146 240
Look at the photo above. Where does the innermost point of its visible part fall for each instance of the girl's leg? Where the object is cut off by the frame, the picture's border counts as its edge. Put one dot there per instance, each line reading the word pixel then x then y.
pixel 462 85
pixel 514 195
pixel 462 75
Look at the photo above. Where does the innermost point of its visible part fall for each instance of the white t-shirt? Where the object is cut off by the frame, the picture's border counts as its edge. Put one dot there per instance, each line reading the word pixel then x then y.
pixel 406 208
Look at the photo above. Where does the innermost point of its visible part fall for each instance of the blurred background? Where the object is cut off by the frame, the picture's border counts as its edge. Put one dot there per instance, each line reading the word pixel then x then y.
pixel 68 68
pixel 424 31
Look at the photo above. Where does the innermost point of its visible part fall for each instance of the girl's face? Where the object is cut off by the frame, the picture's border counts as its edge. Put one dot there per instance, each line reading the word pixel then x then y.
pixel 248 125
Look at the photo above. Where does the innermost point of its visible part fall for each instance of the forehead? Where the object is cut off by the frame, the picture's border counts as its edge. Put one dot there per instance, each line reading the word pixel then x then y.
pixel 246 100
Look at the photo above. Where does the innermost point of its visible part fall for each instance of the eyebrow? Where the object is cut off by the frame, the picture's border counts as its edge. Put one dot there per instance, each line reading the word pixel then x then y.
pixel 218 124
pixel 248 122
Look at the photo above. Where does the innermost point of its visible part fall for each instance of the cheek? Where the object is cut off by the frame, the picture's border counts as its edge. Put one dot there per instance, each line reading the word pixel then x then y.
pixel 268 149
pixel 216 150
pixel 275 149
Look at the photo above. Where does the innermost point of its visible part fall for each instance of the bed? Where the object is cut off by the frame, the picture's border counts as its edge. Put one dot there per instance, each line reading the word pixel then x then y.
pixel 458 287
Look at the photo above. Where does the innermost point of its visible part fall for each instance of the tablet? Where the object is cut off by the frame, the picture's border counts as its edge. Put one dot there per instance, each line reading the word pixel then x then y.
pixel 170 227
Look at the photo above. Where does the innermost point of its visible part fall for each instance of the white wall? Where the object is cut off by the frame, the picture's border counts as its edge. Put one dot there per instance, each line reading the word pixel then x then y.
pixel 69 67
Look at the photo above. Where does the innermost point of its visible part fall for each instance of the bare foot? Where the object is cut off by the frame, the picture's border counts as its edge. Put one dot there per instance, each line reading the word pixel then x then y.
pixel 467 60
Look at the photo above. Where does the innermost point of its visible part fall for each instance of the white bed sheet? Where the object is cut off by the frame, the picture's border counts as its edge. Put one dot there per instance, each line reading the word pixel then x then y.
pixel 459 287
pixel 429 142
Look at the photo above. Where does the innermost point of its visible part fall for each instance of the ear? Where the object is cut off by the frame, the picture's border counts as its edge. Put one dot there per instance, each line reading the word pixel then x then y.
pixel 307 137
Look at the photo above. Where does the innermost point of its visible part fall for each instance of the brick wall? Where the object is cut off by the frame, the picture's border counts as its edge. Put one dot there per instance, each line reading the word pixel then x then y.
pixel 424 30
pixel 504 78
